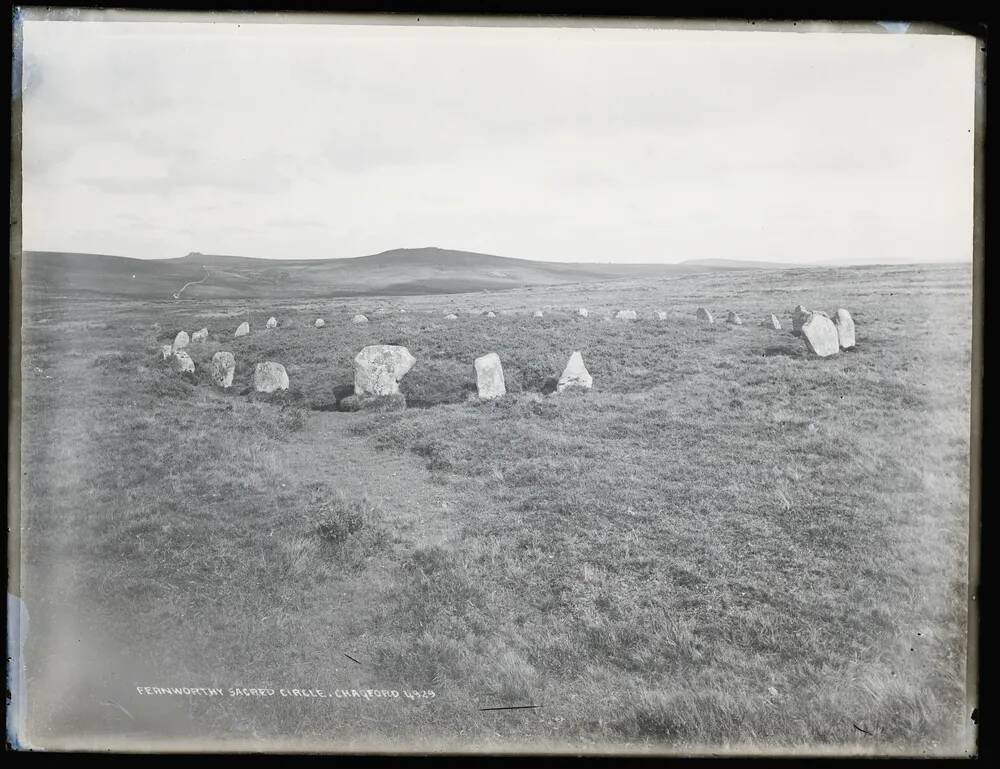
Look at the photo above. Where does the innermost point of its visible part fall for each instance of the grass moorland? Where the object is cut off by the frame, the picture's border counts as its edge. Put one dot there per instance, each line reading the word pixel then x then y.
pixel 726 544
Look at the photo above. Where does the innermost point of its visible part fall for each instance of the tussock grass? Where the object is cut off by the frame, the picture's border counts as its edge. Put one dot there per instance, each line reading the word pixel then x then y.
pixel 723 517
pixel 352 531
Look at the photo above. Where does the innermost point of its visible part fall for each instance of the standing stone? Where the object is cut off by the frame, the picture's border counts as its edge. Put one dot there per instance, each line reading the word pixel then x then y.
pixel 200 336
pixel 704 314
pixel 223 366
pixel 272 322
pixel 243 330
pixel 626 315
pixel 269 376
pixel 489 376
pixel 661 315
pixel 359 318
pixel 180 341
pixel 799 316
pixel 734 319
pixel 773 322
pixel 379 367
pixel 451 316
pixel 820 334
pixel 538 314
pixel 582 312
pixel 575 374
pixel 845 328
pixel 182 362
pixel 319 323
pixel 166 351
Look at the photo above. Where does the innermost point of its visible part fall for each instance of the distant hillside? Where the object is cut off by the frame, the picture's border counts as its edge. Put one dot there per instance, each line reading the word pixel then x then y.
pixel 400 271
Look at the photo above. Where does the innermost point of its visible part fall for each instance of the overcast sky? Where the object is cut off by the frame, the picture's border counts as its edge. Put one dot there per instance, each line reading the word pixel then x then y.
pixel 300 141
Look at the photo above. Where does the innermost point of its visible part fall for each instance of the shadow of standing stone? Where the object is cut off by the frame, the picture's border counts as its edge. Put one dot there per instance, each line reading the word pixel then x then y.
pixel 374 403
pixel 343 391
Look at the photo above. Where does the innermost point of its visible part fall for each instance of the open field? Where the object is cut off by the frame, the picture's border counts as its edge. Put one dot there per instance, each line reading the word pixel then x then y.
pixel 727 543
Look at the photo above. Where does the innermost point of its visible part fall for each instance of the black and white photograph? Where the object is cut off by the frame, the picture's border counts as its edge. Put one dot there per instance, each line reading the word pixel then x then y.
pixel 493 385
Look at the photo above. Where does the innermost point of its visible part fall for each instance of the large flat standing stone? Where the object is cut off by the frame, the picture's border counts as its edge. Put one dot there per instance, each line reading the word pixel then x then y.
pixel 269 376
pixel 181 341
pixel 489 376
pixel 575 374
pixel 182 362
pixel 379 367
pixel 820 335
pixel 845 328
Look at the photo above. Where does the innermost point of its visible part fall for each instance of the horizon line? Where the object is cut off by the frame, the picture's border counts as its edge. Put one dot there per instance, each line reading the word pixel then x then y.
pixel 702 260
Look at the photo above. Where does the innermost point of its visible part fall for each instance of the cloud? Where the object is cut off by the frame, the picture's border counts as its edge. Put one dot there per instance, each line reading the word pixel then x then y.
pixel 246 176
pixel 567 144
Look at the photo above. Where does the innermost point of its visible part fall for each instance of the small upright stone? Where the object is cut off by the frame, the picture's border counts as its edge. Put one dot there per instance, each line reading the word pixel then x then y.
pixel 661 315
pixel 734 319
pixel 200 336
pixel 704 314
pixel 582 312
pixel 538 314
pixel 272 322
pixel 626 315
pixel 166 351
pixel 773 322
pixel 379 367
pixel 223 366
pixel 181 341
pixel 799 316
pixel 575 374
pixel 820 335
pixel 845 328
pixel 319 323
pixel 243 330
pixel 491 314
pixel 489 376
pixel 182 362
pixel 359 319
pixel 269 376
